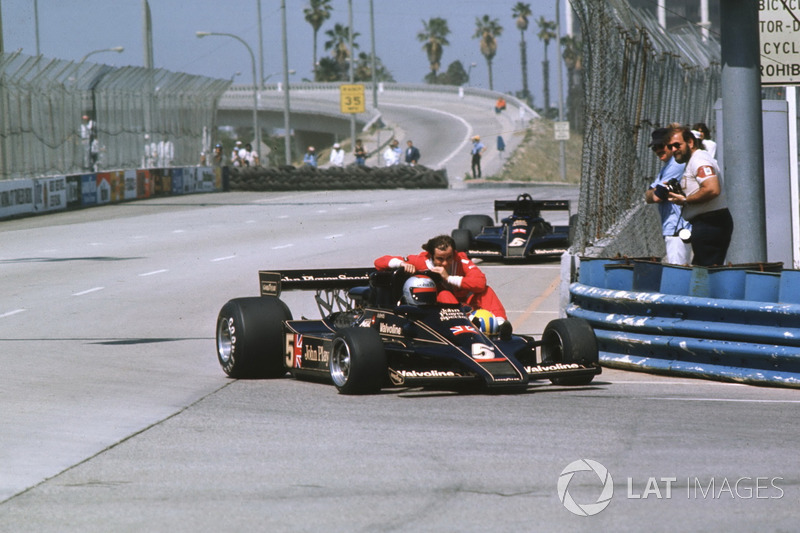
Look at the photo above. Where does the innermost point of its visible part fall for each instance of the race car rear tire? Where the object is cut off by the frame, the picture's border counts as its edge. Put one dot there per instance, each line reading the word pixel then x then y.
pixel 250 337
pixel 358 361
pixel 570 340
pixel 475 223
pixel 463 239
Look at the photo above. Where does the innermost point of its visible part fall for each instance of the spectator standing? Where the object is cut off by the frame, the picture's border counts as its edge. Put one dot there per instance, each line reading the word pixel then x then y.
pixel 310 159
pixel 672 222
pixel 700 131
pixel 477 152
pixel 360 153
pixel 412 154
pixel 337 155
pixel 251 157
pixel 703 198
pixel 235 154
pixel 391 156
pixel 218 158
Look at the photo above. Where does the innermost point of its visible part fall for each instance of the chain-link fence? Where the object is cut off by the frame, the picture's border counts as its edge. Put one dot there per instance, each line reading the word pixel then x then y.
pixel 637 77
pixel 61 117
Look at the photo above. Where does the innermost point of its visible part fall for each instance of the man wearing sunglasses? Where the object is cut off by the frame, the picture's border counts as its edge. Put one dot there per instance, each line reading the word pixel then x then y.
pixel 702 197
pixel 672 222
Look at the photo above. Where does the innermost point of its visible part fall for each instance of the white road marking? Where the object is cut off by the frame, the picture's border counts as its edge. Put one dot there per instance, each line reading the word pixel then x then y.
pixel 14 312
pixel 380 227
pixel 179 231
pixel 335 236
pixel 732 400
pixel 461 147
pixel 154 272
pixel 227 257
pixel 94 289
pixel 281 247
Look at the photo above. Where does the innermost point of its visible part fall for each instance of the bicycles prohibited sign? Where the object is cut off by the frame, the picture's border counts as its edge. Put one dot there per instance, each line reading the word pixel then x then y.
pixel 351 99
pixel 779 28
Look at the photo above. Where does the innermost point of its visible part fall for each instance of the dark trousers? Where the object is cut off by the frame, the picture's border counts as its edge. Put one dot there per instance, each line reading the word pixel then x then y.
pixel 711 236
pixel 476 165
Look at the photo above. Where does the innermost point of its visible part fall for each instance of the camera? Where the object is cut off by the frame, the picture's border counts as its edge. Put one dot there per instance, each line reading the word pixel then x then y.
pixel 685 235
pixel 673 185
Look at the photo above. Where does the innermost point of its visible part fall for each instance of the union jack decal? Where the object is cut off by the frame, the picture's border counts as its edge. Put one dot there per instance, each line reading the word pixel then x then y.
pixel 458 330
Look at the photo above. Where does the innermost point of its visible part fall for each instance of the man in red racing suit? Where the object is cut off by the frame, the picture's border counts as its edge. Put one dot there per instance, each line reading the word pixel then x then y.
pixel 463 282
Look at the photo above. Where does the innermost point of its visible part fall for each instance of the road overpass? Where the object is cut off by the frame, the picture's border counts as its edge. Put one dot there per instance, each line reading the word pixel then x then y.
pixel 439 119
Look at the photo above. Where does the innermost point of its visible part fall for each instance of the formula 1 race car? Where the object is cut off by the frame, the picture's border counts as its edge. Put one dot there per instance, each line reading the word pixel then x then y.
pixel 523 235
pixel 384 329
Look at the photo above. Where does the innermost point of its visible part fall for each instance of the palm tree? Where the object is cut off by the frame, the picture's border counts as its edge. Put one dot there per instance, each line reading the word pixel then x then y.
pixel 573 59
pixel 487 30
pixel 434 35
pixel 546 34
pixel 339 43
pixel 316 13
pixel 521 12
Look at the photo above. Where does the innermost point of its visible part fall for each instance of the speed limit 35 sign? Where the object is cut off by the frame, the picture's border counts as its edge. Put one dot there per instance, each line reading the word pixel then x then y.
pixel 351 99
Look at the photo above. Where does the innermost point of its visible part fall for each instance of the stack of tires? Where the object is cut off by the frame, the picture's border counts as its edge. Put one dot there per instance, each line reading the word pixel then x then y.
pixel 289 178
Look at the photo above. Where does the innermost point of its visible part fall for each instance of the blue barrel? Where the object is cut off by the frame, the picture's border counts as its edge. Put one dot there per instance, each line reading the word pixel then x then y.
pixel 761 286
pixel 619 276
pixel 675 279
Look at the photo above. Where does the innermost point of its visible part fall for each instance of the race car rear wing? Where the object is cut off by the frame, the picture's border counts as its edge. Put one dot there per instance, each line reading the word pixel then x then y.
pixel 532 207
pixel 272 283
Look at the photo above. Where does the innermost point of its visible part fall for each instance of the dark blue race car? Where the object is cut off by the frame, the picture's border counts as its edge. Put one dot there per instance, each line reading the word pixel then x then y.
pixel 370 337
pixel 522 235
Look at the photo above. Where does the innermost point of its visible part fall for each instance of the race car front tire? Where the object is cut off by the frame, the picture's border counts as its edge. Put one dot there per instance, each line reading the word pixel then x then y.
pixel 475 223
pixel 463 239
pixel 570 340
pixel 250 337
pixel 358 361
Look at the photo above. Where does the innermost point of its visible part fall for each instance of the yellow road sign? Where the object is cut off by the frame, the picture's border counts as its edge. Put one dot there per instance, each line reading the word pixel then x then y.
pixel 351 99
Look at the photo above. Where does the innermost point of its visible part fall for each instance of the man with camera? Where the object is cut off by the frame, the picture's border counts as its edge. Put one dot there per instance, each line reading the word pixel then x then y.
pixel 703 198
pixel 673 225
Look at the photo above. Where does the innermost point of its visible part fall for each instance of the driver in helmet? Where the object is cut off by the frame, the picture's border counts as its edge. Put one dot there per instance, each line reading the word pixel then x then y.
pixel 462 281
pixel 419 290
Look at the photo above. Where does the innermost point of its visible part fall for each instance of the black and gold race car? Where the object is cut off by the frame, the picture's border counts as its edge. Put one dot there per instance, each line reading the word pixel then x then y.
pixel 373 336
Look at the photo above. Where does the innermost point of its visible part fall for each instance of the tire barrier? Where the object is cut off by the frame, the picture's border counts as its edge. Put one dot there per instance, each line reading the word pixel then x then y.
pixel 739 323
pixel 289 178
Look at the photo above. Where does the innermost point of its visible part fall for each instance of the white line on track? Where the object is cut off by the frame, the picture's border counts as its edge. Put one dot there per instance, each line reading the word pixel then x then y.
pixel 153 273
pixel 226 258
pixel 380 227
pixel 282 246
pixel 336 236
pixel 732 400
pixel 464 143
pixel 89 291
pixel 14 312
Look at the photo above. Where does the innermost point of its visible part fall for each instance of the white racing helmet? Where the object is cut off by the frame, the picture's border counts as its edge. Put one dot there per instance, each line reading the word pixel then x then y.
pixel 419 290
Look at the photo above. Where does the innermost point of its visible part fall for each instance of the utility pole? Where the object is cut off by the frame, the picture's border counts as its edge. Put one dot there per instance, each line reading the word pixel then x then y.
pixel 286 126
pixel 352 76
pixel 743 174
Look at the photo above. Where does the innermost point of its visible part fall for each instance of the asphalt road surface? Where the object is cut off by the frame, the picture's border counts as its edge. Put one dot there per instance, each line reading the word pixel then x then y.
pixel 116 416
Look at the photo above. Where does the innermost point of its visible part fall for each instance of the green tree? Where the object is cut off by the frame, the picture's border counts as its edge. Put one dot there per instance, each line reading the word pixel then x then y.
pixel 487 30
pixel 546 34
pixel 573 59
pixel 520 13
pixel 339 43
pixel 363 69
pixel 316 14
pixel 434 36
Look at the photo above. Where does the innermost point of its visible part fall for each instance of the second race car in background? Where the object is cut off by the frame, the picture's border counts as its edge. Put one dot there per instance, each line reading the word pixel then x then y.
pixel 525 234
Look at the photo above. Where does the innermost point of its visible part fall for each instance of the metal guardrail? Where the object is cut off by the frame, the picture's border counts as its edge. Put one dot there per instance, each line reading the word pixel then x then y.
pixel 729 324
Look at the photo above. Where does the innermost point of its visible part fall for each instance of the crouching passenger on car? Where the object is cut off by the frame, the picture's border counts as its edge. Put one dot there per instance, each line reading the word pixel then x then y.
pixel 462 281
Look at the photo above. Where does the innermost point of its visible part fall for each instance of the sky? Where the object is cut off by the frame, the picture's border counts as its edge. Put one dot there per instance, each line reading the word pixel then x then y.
pixel 69 29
